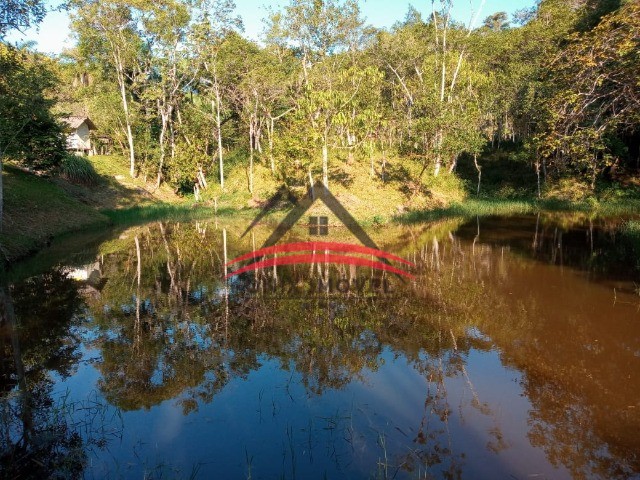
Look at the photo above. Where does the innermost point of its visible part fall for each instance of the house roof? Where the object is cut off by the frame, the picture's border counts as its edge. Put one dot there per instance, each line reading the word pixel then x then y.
pixel 75 122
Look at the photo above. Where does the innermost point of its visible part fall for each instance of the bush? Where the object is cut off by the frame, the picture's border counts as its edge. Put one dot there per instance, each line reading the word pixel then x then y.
pixel 568 189
pixel 78 169
pixel 631 229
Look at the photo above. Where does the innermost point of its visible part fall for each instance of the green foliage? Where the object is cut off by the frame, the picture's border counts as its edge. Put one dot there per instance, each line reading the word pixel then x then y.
pixel 448 186
pixel 78 169
pixel 20 15
pixel 28 130
pixel 326 88
pixel 594 95
pixel 568 189
pixel 471 208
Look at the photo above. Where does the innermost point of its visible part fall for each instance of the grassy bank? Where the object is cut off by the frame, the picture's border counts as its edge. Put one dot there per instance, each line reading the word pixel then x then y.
pixel 472 207
pixel 115 189
pixel 39 209
pixel 402 192
pixel 36 210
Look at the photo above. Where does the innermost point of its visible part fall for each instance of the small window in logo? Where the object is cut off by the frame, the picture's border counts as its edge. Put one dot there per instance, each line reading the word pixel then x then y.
pixel 318 225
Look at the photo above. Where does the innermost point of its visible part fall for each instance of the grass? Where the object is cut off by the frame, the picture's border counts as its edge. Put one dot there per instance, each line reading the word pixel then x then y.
pixel 370 200
pixel 85 196
pixel 66 433
pixel 114 187
pixel 509 188
pixel 472 207
pixel 632 228
pixel 36 210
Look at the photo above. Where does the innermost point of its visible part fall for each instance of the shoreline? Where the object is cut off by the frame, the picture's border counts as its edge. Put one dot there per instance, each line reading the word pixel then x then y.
pixel 469 208
pixel 39 210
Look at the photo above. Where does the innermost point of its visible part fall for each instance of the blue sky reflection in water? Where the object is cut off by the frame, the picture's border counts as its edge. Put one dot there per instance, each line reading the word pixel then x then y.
pixel 510 355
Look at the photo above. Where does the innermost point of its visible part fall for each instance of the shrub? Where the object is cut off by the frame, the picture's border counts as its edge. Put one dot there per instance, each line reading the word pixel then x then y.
pixel 78 169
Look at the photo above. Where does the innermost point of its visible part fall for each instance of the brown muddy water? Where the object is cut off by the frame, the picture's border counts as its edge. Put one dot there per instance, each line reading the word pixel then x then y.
pixel 513 352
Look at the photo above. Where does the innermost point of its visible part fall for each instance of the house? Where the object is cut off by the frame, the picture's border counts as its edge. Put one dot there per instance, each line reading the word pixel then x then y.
pixel 78 139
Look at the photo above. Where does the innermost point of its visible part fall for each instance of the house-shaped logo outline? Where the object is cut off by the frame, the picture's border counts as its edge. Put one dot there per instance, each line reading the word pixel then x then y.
pixel 319 192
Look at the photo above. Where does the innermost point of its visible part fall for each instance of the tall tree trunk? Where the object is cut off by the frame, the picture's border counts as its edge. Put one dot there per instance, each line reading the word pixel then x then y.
pixel 438 145
pixel 537 165
pixel 219 131
pixel 479 169
pixel 350 142
pixel 372 173
pixel 436 170
pixel 443 80
pixel 270 133
pixel 125 108
pixel 472 22
pixel 311 187
pixel 384 161
pixel 172 139
pixel 251 128
pixel 163 131
pixel 325 163
pixel 454 163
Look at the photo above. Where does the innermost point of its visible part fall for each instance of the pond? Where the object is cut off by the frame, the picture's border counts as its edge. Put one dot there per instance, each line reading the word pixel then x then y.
pixel 512 350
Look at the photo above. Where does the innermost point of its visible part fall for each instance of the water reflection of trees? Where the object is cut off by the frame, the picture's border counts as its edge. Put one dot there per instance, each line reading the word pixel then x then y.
pixel 598 247
pixel 576 347
pixel 169 327
pixel 180 308
pixel 38 437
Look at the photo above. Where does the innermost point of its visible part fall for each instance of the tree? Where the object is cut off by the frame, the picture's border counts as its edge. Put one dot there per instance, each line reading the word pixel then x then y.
pixel 317 28
pixel 29 132
pixel 330 105
pixel 14 122
pixel 247 93
pixel 108 33
pixel 20 15
pixel 167 29
pixel 597 95
pixel 216 24
pixel 496 22
pixel 324 33
pixel 271 81
pixel 434 87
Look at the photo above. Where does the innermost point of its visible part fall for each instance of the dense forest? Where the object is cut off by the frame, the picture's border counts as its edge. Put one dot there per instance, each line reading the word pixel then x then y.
pixel 178 90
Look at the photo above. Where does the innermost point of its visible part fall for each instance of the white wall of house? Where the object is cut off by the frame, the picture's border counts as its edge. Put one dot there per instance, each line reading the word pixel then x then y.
pixel 79 139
